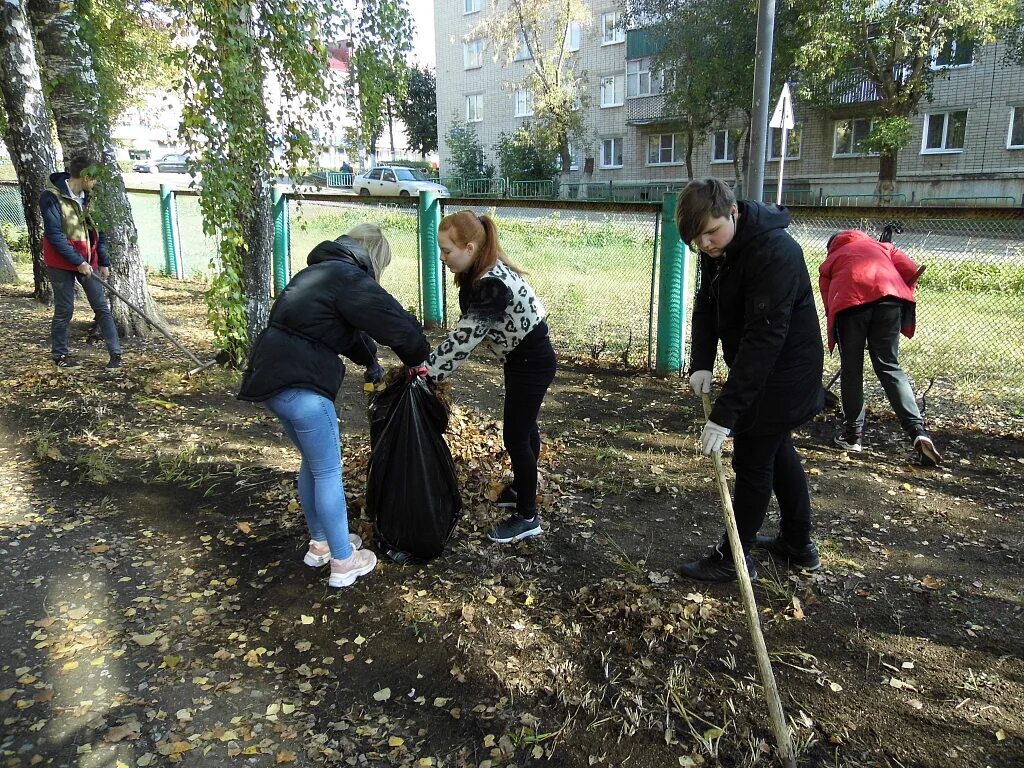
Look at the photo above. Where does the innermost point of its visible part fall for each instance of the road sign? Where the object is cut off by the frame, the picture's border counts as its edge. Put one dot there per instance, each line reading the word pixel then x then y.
pixel 782 117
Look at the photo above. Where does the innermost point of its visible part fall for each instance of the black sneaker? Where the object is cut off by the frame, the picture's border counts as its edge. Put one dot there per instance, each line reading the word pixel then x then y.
pixel 716 567
pixel 507 498
pixel 849 440
pixel 926 450
pixel 515 528
pixel 804 558
pixel 66 361
pixel 114 363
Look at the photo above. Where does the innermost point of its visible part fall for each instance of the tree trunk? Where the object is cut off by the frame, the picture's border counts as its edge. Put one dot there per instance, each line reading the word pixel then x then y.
pixel 391 127
pixel 566 170
pixel 28 129
pixel 82 127
pixel 689 154
pixel 258 226
pixel 887 175
pixel 8 274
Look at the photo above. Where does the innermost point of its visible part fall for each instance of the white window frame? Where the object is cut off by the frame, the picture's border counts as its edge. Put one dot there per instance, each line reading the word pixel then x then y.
pixel 853 149
pixel 1016 116
pixel 611 32
pixel 573 36
pixel 523 53
pixel 730 149
pixel 470 6
pixel 612 141
pixel 522 103
pixel 636 72
pixel 475 108
pixel 472 51
pixel 618 89
pixel 946 120
pixel 796 131
pixel 677 149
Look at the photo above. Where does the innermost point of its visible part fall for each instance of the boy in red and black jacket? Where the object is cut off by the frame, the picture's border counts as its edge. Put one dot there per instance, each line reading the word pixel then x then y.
pixel 73 248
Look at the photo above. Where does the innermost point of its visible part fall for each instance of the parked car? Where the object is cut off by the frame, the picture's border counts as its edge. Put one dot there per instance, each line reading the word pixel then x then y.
pixel 174 163
pixel 395 181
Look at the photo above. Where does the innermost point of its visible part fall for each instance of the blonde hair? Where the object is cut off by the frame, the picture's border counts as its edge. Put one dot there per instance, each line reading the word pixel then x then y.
pixel 372 239
pixel 466 227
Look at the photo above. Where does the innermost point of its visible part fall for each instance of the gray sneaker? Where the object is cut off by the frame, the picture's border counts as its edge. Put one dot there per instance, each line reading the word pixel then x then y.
pixel 514 528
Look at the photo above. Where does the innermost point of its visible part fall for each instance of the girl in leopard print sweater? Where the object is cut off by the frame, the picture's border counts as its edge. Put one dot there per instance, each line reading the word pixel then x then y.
pixel 502 314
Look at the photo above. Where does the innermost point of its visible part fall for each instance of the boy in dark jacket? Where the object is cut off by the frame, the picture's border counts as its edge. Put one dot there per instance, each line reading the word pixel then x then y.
pixel 754 296
pixel 73 248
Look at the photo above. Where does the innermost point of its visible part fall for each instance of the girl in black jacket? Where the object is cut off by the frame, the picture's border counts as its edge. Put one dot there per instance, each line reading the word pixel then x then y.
pixel 500 311
pixel 331 308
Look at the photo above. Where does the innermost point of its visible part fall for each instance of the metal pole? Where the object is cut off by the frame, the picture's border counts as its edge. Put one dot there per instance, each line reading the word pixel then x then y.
pixel 429 212
pixel 764 664
pixel 762 85
pixel 671 309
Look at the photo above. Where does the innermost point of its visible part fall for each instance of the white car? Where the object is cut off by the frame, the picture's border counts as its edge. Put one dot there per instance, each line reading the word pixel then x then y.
pixel 395 181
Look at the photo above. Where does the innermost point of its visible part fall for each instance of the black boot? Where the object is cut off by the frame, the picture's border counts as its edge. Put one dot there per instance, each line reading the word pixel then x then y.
pixel 803 558
pixel 716 567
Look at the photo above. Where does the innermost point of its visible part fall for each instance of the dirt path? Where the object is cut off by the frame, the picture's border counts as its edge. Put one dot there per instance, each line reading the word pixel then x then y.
pixel 155 610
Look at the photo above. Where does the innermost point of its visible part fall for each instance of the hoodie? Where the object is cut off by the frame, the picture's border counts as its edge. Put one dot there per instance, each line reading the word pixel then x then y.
pixel 757 301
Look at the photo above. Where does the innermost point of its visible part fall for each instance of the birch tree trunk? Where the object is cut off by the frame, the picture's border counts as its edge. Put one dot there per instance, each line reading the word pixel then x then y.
pixel 27 134
pixel 82 127
pixel 8 274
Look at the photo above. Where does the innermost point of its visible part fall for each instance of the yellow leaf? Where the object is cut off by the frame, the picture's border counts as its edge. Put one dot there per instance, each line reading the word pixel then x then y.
pixel 306 619
pixel 382 695
pixel 69 665
pixel 1000 735
pixel 396 741
pixel 245 527
pixel 491 599
pixel 145 640
pixel 284 756
pixel 170 662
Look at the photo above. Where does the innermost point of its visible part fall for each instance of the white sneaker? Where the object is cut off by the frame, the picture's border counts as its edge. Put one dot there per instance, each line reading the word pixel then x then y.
pixel 316 559
pixel 345 572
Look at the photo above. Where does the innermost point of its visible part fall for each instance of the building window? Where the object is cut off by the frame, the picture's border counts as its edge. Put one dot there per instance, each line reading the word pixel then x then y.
pixel 953 53
pixel 721 146
pixel 574 159
pixel 523 103
pixel 850 136
pixel 573 36
pixel 470 6
pixel 944 132
pixel 473 54
pixel 523 53
pixel 665 149
pixel 611 91
pixel 612 30
pixel 1015 138
pixel 638 79
pixel 475 108
pixel 611 153
pixel 792 143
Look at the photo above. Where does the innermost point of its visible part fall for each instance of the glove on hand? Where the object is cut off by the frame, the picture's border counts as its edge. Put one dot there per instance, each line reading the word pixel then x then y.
pixel 712 437
pixel 417 370
pixel 374 374
pixel 701 382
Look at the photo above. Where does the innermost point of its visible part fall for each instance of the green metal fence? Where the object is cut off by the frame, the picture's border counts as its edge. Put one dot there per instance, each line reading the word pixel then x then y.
pixel 598 267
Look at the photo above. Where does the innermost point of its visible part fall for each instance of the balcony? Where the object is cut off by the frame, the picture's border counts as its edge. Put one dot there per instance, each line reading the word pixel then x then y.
pixel 648 110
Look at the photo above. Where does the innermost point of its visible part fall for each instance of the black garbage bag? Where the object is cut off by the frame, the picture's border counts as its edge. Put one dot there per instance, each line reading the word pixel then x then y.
pixel 412 491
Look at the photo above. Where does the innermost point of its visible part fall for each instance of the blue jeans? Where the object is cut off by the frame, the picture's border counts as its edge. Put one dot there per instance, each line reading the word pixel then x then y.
pixel 311 423
pixel 63 282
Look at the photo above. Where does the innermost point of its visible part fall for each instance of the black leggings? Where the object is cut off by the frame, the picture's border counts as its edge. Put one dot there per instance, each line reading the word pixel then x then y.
pixel 527 379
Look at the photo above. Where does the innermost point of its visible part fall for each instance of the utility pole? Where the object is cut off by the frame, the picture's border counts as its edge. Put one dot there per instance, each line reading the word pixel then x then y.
pixel 762 86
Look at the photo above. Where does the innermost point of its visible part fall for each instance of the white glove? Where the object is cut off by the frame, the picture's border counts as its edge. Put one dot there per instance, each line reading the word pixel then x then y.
pixel 701 382
pixel 712 437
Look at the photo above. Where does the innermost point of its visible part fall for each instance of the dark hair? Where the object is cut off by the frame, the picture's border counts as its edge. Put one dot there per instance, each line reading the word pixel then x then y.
pixel 828 245
pixel 79 163
pixel 700 201
pixel 466 227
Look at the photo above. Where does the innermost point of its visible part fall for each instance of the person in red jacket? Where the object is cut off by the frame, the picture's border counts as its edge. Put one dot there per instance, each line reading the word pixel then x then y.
pixel 867 288
pixel 74 248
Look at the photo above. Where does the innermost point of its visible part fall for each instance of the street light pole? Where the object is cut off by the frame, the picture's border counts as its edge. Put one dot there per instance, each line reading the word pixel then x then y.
pixel 759 111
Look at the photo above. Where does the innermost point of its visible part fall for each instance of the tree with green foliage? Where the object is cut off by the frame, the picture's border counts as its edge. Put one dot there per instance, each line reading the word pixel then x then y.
pixel 83 128
pixel 522 157
pixel 26 128
pixel 381 36
pixel 705 57
pixel 539 29
pixel 419 110
pixel 232 136
pixel 879 57
pixel 467 153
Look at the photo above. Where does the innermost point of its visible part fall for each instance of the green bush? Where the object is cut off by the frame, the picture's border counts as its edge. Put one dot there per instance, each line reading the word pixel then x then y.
pixel 522 158
pixel 467 154
pixel 17 241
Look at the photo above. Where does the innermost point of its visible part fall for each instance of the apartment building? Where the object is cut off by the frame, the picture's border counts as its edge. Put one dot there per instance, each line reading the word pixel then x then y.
pixel 968 139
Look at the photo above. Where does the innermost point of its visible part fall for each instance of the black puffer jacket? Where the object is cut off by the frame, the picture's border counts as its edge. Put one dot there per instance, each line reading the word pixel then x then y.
pixel 757 300
pixel 333 307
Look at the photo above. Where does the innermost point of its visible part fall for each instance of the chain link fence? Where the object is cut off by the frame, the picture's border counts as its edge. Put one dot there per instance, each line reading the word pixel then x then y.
pixel 595 267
